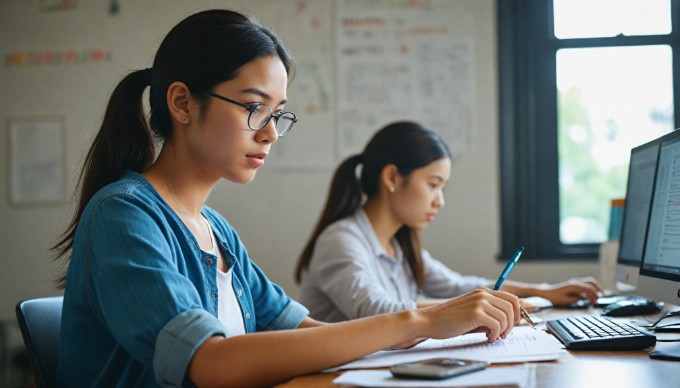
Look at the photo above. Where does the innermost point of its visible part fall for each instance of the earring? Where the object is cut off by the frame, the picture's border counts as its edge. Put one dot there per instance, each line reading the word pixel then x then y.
pixel 391 190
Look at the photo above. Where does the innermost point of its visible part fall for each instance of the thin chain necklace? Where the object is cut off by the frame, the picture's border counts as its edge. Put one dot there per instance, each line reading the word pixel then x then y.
pixel 206 227
pixel 173 195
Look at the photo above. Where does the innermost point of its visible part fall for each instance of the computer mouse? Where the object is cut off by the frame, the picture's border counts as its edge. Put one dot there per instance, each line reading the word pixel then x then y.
pixel 629 307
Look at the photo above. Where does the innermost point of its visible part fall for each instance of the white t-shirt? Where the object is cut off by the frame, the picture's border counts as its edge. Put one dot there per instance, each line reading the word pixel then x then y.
pixel 228 309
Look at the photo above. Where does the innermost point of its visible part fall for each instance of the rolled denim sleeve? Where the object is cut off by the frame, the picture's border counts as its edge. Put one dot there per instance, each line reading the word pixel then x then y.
pixel 291 316
pixel 178 341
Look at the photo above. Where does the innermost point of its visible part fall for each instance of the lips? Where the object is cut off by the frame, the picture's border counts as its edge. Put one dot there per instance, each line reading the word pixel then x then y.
pixel 257 160
pixel 261 155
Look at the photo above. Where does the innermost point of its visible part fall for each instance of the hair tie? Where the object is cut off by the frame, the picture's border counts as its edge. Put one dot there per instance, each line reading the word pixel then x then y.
pixel 148 74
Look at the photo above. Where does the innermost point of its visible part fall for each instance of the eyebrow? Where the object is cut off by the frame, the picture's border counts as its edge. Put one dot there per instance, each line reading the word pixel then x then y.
pixel 262 94
pixel 437 177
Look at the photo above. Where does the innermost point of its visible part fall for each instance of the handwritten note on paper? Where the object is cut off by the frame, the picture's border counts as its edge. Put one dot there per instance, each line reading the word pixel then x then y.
pixel 523 344
pixel 403 61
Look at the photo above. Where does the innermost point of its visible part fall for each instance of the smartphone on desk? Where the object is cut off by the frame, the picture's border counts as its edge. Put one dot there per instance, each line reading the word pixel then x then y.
pixel 436 368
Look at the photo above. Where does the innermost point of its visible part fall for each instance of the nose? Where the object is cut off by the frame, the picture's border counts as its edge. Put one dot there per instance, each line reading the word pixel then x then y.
pixel 267 134
pixel 439 201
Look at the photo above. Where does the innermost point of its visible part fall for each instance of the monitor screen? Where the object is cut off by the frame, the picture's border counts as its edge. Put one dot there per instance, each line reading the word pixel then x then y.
pixel 641 171
pixel 660 268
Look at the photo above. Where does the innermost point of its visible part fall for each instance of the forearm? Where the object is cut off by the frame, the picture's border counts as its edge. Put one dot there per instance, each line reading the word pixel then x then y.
pixel 524 290
pixel 427 302
pixel 263 359
pixel 309 322
pixel 566 292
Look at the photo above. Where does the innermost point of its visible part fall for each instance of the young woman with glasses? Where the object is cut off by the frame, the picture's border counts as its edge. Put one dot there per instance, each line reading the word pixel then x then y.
pixel 159 289
pixel 364 256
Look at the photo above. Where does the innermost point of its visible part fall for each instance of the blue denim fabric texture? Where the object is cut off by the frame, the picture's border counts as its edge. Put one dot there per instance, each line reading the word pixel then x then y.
pixel 141 296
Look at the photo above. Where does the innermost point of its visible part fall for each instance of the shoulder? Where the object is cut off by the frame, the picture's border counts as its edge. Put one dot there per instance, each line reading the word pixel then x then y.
pixel 347 227
pixel 129 192
pixel 344 238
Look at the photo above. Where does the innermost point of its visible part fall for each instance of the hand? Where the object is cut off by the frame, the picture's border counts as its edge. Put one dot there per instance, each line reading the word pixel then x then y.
pixel 482 310
pixel 573 290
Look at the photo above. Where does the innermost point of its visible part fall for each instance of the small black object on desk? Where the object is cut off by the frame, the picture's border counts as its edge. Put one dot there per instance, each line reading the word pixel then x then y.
pixel 630 307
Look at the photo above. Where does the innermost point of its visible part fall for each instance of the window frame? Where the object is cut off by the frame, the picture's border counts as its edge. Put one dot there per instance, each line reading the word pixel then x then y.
pixel 528 122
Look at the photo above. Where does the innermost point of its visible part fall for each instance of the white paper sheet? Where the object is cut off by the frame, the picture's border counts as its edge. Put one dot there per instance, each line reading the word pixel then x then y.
pixel 523 344
pixel 521 376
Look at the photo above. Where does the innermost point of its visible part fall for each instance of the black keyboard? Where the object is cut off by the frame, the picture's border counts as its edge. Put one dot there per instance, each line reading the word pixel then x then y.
pixel 590 332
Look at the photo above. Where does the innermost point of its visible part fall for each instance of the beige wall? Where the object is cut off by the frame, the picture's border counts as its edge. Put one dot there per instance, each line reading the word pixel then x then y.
pixel 275 213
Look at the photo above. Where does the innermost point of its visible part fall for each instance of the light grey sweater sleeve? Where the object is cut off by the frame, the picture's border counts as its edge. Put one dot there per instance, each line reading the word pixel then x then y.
pixel 443 282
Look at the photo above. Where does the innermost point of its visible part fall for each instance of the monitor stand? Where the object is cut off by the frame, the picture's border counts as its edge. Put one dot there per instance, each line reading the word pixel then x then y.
pixel 671 354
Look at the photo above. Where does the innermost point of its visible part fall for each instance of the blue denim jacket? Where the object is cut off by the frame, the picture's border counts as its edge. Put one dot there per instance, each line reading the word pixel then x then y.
pixel 141 296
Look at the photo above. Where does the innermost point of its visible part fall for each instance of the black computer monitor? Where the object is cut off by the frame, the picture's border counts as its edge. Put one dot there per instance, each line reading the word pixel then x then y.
pixel 659 277
pixel 641 172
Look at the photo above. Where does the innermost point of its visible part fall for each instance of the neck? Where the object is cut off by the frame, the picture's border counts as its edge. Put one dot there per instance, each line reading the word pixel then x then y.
pixel 178 183
pixel 383 222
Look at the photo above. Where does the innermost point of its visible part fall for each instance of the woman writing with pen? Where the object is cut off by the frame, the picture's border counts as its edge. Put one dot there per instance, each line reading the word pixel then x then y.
pixel 159 288
pixel 364 256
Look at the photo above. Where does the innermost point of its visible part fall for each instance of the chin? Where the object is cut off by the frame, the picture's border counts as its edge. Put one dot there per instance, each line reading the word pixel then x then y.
pixel 242 179
pixel 418 225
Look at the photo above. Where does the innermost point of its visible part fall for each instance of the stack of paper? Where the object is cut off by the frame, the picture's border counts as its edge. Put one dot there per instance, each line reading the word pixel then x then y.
pixel 523 344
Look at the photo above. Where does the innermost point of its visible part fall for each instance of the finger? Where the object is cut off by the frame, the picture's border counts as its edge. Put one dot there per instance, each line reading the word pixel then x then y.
pixel 593 282
pixel 504 312
pixel 492 326
pixel 589 291
pixel 597 286
pixel 514 302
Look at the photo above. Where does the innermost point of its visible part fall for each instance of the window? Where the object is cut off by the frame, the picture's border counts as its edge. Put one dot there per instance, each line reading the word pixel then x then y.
pixel 581 83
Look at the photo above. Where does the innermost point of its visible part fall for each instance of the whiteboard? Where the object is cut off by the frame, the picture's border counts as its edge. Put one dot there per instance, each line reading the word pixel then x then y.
pixel 402 61
pixel 306 28
pixel 362 64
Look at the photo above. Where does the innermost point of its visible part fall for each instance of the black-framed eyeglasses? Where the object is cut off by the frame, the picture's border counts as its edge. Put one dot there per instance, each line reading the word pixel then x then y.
pixel 261 113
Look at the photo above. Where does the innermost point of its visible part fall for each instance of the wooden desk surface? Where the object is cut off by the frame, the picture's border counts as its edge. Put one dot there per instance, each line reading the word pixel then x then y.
pixel 574 369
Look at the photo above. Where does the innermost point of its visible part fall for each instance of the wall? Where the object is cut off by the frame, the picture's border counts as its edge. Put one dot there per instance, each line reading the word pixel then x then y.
pixel 275 213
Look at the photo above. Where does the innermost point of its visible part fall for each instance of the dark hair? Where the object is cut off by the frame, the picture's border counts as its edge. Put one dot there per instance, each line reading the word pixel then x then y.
pixel 203 50
pixel 408 146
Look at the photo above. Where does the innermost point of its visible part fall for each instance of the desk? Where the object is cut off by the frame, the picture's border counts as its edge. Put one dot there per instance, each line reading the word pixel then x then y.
pixel 574 369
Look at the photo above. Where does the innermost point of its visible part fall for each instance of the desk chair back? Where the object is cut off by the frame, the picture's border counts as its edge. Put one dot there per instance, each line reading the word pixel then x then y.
pixel 40 323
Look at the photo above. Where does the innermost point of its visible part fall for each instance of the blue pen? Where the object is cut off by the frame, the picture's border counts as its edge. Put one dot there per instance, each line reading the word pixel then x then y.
pixel 504 275
pixel 508 268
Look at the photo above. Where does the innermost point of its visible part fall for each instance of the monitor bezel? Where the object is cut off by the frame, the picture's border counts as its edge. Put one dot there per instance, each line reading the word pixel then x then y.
pixel 621 261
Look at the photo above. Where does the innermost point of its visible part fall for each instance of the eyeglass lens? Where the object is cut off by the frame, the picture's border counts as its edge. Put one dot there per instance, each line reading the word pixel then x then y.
pixel 261 114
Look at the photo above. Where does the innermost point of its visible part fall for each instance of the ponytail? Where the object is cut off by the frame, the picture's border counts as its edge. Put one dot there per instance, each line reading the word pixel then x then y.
pixel 344 198
pixel 124 142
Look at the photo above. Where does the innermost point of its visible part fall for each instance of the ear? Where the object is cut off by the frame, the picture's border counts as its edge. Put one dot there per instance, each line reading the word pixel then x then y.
pixel 178 98
pixel 389 177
